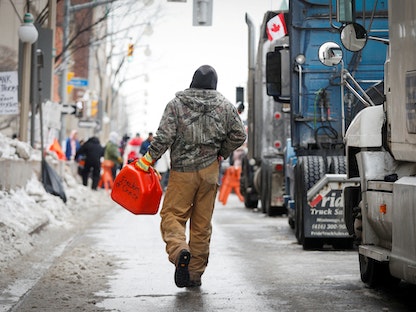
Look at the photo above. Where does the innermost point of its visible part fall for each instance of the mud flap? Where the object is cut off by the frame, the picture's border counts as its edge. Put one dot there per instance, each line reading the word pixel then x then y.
pixel 324 214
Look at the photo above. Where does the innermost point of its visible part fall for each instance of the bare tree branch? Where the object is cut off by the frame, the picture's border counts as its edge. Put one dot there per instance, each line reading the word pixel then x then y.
pixel 73 39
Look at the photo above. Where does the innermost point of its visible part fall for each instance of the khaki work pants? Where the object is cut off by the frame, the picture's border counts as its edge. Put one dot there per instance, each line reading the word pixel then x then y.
pixel 190 196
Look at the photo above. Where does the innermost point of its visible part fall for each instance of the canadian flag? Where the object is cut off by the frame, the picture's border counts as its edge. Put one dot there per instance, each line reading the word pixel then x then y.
pixel 276 27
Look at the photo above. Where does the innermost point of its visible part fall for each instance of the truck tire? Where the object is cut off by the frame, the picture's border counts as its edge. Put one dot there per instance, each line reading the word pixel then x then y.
pixel 291 223
pixel 342 243
pixel 249 202
pixel 265 190
pixel 314 169
pixel 299 201
pixel 375 274
pixel 246 185
pixel 337 164
pixel 311 170
pixel 368 269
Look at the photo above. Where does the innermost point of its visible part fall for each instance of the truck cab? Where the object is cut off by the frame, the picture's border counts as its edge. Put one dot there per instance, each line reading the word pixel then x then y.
pixel 381 153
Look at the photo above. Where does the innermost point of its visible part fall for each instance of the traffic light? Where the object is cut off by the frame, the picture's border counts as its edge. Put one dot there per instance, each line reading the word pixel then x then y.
pixel 69 76
pixel 130 50
pixel 202 13
pixel 94 108
pixel 240 99
pixel 69 87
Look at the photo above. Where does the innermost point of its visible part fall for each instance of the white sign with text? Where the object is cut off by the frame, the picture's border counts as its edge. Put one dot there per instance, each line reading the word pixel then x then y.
pixel 9 103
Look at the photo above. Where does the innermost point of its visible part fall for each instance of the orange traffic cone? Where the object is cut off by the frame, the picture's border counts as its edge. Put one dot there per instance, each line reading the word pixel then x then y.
pixel 107 176
pixel 230 182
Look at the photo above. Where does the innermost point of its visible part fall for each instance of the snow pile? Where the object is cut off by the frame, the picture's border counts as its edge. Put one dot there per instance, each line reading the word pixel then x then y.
pixel 24 212
pixel 14 149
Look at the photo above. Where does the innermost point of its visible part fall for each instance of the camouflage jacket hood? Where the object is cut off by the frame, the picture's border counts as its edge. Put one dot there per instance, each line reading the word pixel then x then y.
pixel 198 125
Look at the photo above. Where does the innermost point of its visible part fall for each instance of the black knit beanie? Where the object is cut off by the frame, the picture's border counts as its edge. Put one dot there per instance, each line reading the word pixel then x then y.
pixel 205 77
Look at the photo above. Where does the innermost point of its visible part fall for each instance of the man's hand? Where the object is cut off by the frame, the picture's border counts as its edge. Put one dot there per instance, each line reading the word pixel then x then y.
pixel 144 162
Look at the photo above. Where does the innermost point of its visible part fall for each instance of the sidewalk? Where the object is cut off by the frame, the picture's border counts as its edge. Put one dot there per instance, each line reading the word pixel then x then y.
pixel 26 213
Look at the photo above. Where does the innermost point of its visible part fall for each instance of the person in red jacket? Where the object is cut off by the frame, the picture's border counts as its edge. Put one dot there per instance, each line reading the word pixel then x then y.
pixel 132 150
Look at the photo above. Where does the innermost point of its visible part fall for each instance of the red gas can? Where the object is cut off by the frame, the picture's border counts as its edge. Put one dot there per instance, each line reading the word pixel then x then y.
pixel 136 190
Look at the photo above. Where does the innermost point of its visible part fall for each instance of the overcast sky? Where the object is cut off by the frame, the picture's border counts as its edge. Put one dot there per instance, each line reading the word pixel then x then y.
pixel 178 49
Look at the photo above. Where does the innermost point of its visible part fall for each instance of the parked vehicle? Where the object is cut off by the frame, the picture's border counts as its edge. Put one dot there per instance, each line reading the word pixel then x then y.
pixel 381 152
pixel 305 90
pixel 267 126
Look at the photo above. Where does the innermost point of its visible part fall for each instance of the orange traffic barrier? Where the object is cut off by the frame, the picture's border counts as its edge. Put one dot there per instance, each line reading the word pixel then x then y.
pixel 230 182
pixel 56 147
pixel 106 176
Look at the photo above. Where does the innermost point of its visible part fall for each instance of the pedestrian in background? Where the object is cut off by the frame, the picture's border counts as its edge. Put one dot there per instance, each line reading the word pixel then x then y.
pixel 163 166
pixel 72 145
pixel 132 150
pixel 92 151
pixel 80 160
pixel 123 143
pixel 199 126
pixel 146 143
pixel 112 153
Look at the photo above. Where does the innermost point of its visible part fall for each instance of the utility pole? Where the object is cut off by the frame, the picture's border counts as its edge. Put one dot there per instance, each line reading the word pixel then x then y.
pixel 28 34
pixel 64 71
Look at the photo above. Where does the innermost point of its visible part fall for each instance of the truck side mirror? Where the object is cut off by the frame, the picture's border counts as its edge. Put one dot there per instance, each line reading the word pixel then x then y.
pixel 278 74
pixel 330 54
pixel 354 37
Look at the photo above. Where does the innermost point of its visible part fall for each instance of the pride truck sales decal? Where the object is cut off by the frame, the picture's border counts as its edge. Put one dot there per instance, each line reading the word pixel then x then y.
pixel 324 216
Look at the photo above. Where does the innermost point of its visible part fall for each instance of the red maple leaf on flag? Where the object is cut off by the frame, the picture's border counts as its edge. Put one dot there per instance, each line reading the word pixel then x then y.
pixel 275 28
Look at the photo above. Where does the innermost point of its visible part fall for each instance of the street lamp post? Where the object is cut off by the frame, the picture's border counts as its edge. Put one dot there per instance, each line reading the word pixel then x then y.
pixel 28 35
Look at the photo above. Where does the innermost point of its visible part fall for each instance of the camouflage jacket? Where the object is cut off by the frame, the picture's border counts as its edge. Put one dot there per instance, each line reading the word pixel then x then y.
pixel 198 126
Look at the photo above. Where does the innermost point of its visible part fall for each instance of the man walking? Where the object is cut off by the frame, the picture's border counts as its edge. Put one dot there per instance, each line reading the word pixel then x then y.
pixel 93 151
pixel 199 126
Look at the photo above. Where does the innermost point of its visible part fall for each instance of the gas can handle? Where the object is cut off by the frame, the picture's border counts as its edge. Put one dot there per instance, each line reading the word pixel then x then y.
pixel 154 177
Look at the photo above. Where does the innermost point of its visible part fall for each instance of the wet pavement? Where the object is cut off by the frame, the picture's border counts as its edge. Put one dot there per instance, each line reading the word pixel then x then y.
pixel 255 264
pixel 119 264
pixel 144 280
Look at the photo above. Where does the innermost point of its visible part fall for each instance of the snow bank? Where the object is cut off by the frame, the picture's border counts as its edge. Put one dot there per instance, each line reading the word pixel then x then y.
pixel 30 209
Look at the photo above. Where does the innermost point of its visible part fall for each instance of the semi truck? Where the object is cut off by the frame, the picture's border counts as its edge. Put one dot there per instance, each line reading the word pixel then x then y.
pixel 304 90
pixel 268 125
pixel 381 153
